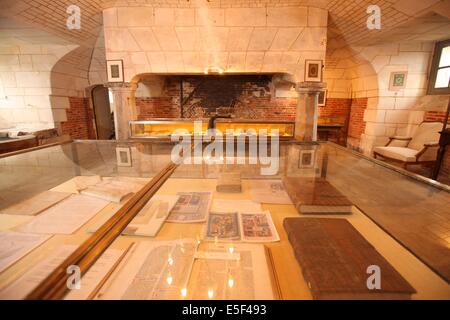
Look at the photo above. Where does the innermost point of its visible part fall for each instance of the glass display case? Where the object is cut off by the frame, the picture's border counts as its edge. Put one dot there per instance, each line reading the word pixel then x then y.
pixel 87 209
pixel 163 128
pixel 284 129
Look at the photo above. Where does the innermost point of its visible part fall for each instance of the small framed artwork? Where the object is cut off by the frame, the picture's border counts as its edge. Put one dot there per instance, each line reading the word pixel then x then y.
pixel 322 98
pixel 123 155
pixel 115 70
pixel 398 80
pixel 313 70
pixel 306 159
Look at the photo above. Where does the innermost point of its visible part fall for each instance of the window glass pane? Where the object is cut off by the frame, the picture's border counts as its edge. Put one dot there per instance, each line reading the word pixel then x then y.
pixel 445 57
pixel 442 78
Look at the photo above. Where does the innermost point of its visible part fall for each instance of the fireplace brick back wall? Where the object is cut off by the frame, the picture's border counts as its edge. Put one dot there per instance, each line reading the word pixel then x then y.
pixel 249 97
pixel 254 99
pixel 435 116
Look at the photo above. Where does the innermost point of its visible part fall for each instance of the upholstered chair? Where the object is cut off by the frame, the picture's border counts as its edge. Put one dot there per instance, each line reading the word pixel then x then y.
pixel 421 148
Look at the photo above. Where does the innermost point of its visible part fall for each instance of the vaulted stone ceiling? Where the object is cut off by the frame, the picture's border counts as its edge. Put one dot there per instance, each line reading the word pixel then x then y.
pixel 347 21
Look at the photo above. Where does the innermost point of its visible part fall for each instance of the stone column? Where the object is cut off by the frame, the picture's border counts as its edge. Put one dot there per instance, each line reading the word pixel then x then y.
pixel 307 113
pixel 124 107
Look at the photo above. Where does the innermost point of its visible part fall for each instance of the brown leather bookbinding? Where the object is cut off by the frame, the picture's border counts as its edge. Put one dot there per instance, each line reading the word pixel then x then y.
pixel 334 258
pixel 316 196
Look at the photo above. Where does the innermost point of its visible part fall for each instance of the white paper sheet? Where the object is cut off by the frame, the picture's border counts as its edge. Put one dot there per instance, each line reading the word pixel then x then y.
pixel 15 245
pixel 82 182
pixel 153 270
pixel 27 282
pixel 114 189
pixel 35 205
pixel 219 205
pixel 10 221
pixel 102 220
pixel 244 279
pixel 95 275
pixel 65 217
pixel 269 191
pixel 151 217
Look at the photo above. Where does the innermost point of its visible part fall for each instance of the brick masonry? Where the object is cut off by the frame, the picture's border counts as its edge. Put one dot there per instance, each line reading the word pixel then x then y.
pixel 247 97
pixel 79 124
pixel 356 125
pixel 435 116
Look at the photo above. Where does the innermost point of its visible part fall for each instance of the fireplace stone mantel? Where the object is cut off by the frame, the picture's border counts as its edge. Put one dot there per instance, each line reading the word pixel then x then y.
pixel 307 113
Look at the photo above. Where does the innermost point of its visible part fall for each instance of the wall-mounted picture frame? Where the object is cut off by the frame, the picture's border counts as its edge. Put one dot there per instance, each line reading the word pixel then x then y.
pixel 313 70
pixel 306 159
pixel 123 155
pixel 397 80
pixel 322 98
pixel 114 69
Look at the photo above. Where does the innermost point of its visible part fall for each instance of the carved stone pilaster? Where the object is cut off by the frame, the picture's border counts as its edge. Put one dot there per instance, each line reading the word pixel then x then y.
pixel 124 107
pixel 307 112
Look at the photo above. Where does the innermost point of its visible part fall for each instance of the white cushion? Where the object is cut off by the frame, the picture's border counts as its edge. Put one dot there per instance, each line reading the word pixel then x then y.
pixel 398 153
pixel 426 132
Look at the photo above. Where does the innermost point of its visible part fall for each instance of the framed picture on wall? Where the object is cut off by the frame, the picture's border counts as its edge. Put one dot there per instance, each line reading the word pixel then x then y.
pixel 313 70
pixel 397 80
pixel 306 159
pixel 123 155
pixel 322 98
pixel 115 70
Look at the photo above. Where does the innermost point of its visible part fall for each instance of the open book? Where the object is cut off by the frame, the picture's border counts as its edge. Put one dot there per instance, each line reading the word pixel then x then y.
pixel 248 227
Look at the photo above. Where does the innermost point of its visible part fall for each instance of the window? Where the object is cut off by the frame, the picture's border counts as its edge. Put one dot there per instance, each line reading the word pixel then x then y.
pixel 440 69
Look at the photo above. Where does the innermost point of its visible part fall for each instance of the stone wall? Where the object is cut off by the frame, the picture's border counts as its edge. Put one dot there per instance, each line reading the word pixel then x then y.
pixel 364 72
pixel 36 82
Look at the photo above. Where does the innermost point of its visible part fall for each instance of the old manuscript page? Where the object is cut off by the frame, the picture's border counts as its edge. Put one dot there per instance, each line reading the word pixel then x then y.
pixel 269 191
pixel 26 283
pixel 35 205
pixel 247 278
pixel 15 245
pixel 190 207
pixel 151 217
pixel 153 270
pixel 65 217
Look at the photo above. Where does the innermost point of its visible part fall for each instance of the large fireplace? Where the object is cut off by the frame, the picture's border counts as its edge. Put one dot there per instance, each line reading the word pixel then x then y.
pixel 246 96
